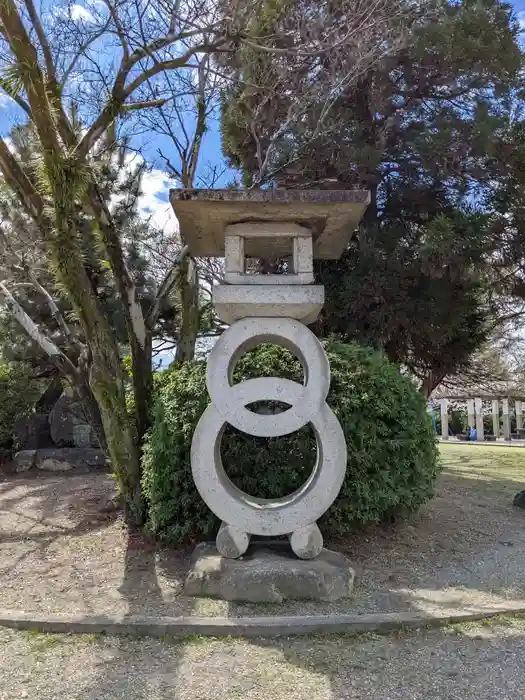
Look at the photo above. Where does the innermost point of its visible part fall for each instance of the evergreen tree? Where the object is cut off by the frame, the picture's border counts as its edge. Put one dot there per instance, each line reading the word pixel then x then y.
pixel 424 130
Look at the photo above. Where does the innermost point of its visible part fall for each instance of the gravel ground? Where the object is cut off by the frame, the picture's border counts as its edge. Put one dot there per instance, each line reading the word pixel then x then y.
pixel 469 662
pixel 64 549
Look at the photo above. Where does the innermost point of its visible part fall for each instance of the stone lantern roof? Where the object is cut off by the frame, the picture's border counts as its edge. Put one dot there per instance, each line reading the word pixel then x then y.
pixel 330 215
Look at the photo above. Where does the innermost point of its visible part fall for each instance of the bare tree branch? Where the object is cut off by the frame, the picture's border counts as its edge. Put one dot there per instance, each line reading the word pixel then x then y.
pixel 165 288
pixel 42 38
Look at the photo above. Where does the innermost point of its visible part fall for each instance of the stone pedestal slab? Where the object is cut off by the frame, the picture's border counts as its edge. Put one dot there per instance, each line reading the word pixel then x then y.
pixel 233 302
pixel 60 459
pixel 268 574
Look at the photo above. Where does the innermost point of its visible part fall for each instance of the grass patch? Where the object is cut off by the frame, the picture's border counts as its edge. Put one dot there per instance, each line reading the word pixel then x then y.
pixel 471 461
pixel 44 641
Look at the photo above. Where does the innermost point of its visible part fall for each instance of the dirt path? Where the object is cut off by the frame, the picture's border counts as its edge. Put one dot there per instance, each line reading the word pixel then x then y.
pixel 63 550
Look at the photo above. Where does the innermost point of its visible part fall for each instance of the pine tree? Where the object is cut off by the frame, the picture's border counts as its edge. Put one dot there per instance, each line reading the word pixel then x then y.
pixel 423 130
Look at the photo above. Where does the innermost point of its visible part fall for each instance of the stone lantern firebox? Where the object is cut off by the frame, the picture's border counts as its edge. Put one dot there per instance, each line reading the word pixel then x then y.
pixel 294 227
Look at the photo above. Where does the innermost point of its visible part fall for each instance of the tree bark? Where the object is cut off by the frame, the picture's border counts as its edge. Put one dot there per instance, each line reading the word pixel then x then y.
pixel 106 376
pixel 430 382
pixel 139 339
pixel 188 288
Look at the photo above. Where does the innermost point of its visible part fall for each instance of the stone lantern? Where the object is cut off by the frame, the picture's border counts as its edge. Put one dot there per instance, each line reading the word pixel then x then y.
pixel 295 227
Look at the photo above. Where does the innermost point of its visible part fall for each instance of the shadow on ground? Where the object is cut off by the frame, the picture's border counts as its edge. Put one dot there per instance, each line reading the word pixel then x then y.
pixel 64 547
pixel 466 547
pixel 462 662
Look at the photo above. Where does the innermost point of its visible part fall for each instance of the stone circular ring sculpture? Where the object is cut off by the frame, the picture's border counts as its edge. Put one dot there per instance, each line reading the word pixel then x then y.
pixel 268 303
pixel 243 515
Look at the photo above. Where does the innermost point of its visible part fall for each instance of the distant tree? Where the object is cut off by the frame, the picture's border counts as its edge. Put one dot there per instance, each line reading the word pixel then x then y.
pixel 424 303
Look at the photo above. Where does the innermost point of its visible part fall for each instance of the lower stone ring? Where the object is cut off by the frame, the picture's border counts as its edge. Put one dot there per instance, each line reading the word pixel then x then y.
pixel 260 516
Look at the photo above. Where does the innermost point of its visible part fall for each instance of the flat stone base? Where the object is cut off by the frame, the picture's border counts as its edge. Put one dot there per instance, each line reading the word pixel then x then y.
pixel 60 459
pixel 268 573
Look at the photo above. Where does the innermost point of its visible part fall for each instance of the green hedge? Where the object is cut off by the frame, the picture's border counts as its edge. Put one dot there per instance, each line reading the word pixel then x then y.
pixel 392 454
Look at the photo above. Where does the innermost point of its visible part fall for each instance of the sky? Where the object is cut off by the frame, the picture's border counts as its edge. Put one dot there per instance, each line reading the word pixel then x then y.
pixel 520 9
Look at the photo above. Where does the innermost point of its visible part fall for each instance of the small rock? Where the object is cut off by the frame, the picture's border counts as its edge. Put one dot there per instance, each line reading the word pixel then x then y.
pixel 519 499
pixel 24 460
pixel 54 465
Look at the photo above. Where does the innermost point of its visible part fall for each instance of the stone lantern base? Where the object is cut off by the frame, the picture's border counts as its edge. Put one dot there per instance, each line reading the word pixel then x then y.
pixel 267 574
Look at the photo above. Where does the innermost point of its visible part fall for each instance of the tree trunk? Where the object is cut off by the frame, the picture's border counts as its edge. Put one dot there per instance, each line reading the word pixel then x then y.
pixel 139 338
pixel 106 376
pixel 430 382
pixel 107 384
pixel 188 287
pixel 69 181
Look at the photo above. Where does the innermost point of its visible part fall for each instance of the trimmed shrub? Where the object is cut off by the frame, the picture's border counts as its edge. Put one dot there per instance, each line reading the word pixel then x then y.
pixel 392 453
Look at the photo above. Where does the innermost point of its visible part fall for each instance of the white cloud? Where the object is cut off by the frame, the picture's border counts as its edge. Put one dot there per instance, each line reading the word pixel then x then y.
pixel 521 19
pixel 153 205
pixel 80 13
pixel 5 100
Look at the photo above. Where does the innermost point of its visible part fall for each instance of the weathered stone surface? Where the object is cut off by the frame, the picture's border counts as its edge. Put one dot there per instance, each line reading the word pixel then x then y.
pixel 232 543
pixel 245 513
pixel 32 432
pixel 68 424
pixel 268 573
pixel 297 226
pixel 54 465
pixel 233 302
pixel 307 542
pixel 67 458
pixel 59 459
pixel 269 240
pixel 331 215
pixel 24 460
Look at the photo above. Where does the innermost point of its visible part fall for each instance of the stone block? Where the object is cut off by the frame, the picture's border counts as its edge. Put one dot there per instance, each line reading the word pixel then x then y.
pixel 24 460
pixel 234 302
pixel 32 432
pixel 68 458
pixel 68 424
pixel 268 573
pixel 234 254
pixel 255 280
pixel 330 215
pixel 54 465
pixel 303 256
